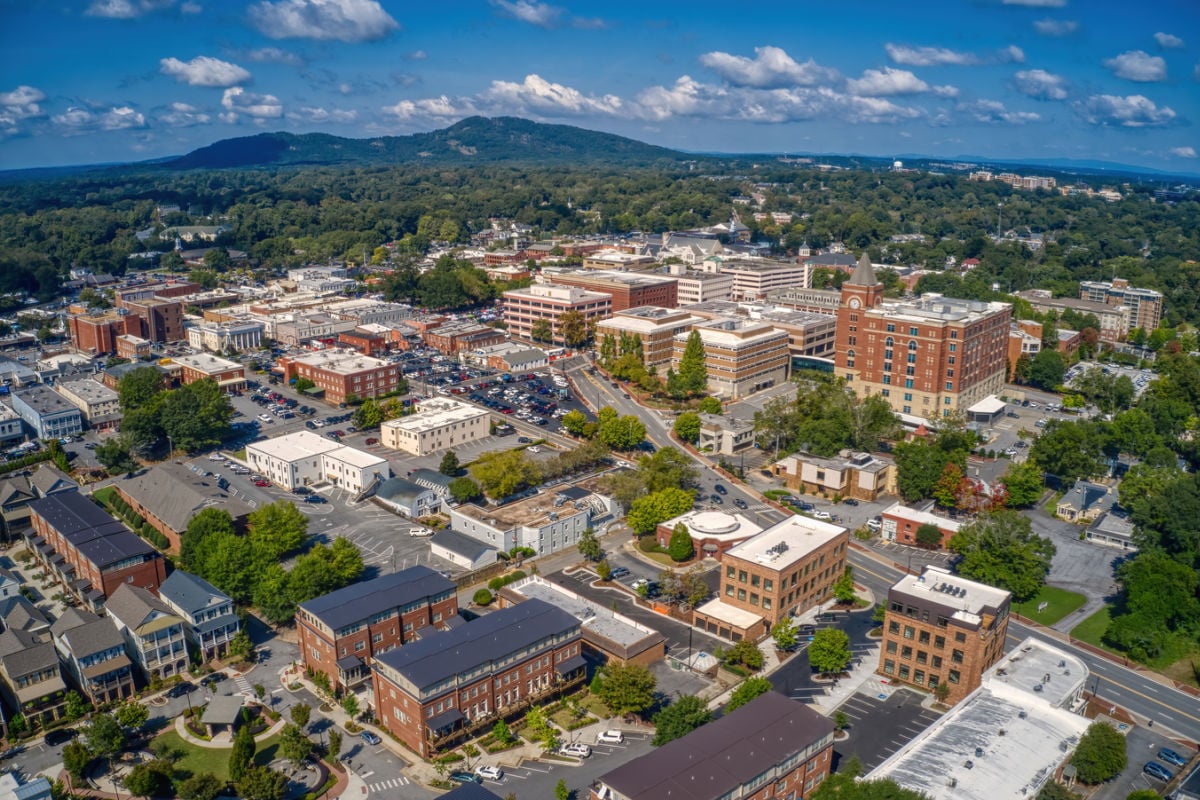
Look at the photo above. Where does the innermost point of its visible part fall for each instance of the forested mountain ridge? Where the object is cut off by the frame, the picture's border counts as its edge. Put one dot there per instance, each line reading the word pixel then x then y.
pixel 472 140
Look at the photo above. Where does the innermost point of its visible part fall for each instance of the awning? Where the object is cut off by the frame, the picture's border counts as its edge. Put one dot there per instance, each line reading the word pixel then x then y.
pixel 347 663
pixel 570 665
pixel 445 720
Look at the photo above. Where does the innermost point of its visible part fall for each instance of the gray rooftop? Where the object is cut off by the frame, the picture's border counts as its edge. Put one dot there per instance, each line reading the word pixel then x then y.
pixel 20 614
pixel 48 479
pixel 600 620
pixel 488 639
pixel 362 600
pixel 400 490
pixel 175 494
pixel 97 536
pixel 44 401
pixel 22 653
pixel 132 605
pixel 191 592
pixel 461 544
pixel 92 637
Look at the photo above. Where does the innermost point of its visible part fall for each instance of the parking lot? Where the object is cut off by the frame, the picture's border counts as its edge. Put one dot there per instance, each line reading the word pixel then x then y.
pixel 1142 745
pixel 535 780
pixel 880 724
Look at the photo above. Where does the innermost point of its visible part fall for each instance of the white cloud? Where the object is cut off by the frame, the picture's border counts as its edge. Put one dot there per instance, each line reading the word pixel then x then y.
pixel 1138 65
pixel 1012 53
pixel 182 115
pixel 20 103
pixel 79 120
pixel 273 55
pixel 542 15
pixel 311 114
pixel 1134 111
pixel 992 111
pixel 771 67
pixel 337 20
pixel 204 71
pixel 438 108
pixel 928 56
pixel 125 9
pixel 237 101
pixel 1042 85
pixel 191 8
pixel 537 95
pixel 1168 40
pixel 1055 27
pixel 1036 3
pixel 1183 152
pixel 886 81
pixel 417 55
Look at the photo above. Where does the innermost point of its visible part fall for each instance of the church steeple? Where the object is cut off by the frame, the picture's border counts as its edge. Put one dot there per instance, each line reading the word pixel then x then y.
pixel 864 273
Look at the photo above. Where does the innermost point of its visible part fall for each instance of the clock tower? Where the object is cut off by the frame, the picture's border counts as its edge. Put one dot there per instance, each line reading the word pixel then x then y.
pixel 860 293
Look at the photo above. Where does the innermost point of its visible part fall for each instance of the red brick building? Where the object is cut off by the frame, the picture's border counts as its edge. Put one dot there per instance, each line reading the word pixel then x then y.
pixel 343 631
pixel 434 692
pixel 628 290
pixel 365 342
pixel 88 552
pixel 162 320
pixel 451 338
pixel 229 375
pixel 342 373
pixel 97 334
pixel 899 523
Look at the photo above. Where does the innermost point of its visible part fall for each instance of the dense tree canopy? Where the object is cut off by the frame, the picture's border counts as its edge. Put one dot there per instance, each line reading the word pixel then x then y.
pixel 1001 549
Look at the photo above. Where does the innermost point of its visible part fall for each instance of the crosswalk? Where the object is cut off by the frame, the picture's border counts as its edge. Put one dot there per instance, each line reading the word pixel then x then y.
pixel 243 685
pixel 390 784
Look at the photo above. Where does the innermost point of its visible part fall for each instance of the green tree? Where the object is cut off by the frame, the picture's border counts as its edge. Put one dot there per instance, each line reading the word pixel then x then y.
pixel 1100 754
pixel 541 331
pixel 76 757
pixel 241 756
pixel 929 536
pixel 746 653
pixel 195 416
pixel 692 375
pixel 1024 484
pixel 1140 794
pixel 746 691
pixel 573 328
pixel 104 736
pixel 301 713
pixel 589 546
pixel 946 490
pixel 204 786
pixel 261 783
pixel 368 415
pixel 74 706
pixel 350 705
pixel 501 732
pixel 209 520
pixel 844 786
pixel 482 597
pixel 679 719
pixel 680 547
pixel 1069 450
pixel 450 467
pixel 464 490
pixel 574 421
pixel 138 387
pixel 625 688
pixel 335 742
pixel 603 569
pixel 302 385
pixel 667 468
pixel 843 588
pixel 503 472
pixel 1000 549
pixel 1046 369
pixel 149 778
pixel 687 427
pixel 710 405
pixel 561 792
pixel 785 633
pixel 646 512
pixel 919 465
pixel 275 529
pixel 829 651
pixel 624 433
pixel 132 714
pixel 272 594
pixel 114 455
pixel 293 744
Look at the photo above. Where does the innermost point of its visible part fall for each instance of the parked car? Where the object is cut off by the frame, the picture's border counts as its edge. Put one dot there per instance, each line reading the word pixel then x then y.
pixel 465 777
pixel 719 488
pixel 850 501
pixel 610 737
pixel 1171 757
pixel 1157 770
pixel 370 738
pixel 212 678
pixel 60 736
pixel 262 483
pixel 315 499
pixel 420 532
pixel 577 749
pixel 301 490
pixel 180 689
pixel 874 524
pixel 491 773
pixel 619 572
pixel 372 440
pixel 822 515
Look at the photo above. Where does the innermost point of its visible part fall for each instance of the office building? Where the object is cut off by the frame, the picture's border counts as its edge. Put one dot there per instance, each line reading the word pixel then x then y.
pixel 942 628
pixel 304 458
pixel 926 357
pixel 755 279
pixel 341 373
pixel 46 412
pixel 742 357
pixel 858 475
pixel 438 424
pixel 628 290
pixel 524 308
pixel 220 337
pixel 98 403
pixel 655 327
pixel 230 376
pixel 899 523
pixel 546 522
pixel 1145 305
pixel 701 287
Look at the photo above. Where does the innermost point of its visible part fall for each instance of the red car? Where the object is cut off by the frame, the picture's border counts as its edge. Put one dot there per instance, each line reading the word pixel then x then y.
pixel 262 483
pixel 372 441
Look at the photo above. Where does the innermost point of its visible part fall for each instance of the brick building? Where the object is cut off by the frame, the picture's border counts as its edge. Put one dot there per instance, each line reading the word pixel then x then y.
pixel 743 357
pixel 161 320
pixel 341 373
pixel 451 338
pixel 343 631
pixel 96 334
pixel 926 357
pixel 858 475
pixel 229 375
pixel 784 571
pixel 1145 305
pixel 168 495
pixel 98 404
pixel 899 523
pixel 628 290
pixel 1115 321
pixel 940 627
pixel 366 342
pixel 523 308
pixel 656 327
pixel 431 693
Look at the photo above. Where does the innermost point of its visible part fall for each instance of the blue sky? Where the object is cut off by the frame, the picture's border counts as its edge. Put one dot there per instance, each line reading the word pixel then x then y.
pixel 88 81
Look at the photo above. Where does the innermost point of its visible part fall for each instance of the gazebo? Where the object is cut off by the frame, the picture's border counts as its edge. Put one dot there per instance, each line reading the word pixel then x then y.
pixel 222 713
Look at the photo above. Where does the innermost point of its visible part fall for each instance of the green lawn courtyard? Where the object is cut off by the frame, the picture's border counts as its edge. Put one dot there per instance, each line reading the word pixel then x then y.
pixel 195 760
pixel 1059 603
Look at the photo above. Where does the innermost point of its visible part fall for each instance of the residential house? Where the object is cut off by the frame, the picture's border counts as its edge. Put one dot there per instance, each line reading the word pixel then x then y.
pixel 10 584
pixel 1085 502
pixel 154 634
pixel 93 653
pixel 408 498
pixel 17 613
pixel 462 550
pixel 1114 529
pixel 33 684
pixel 15 496
pixel 211 623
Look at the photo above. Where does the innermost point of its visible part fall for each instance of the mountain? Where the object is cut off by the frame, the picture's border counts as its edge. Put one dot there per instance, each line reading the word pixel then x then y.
pixel 472 140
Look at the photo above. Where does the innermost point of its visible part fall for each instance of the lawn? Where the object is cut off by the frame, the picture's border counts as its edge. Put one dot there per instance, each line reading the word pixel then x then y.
pixel 105 495
pixel 1092 628
pixel 197 760
pixel 1051 505
pixel 1059 603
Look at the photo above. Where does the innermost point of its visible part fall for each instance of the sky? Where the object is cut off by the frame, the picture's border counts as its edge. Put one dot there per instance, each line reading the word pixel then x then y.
pixel 97 81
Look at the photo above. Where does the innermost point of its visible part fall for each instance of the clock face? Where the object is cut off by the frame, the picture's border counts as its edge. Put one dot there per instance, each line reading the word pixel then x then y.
pixel 854 302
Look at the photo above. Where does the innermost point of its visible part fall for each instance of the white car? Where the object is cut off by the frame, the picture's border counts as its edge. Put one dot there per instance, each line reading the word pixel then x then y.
pixel 491 773
pixel 215 457
pixel 610 737
pixel 420 532
pixel 534 449
pixel 825 515
pixel 577 749
pixel 265 417
pixel 874 524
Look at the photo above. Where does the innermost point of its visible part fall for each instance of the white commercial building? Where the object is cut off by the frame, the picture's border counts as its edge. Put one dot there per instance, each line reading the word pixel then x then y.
pixel 100 405
pixel 1005 739
pixel 546 522
pixel 303 458
pixel 218 337
pixel 439 424
pixel 702 287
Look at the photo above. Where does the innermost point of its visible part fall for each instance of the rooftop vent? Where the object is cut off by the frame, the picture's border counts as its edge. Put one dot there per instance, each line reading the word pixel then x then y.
pixel 969 764
pixel 979 752
pixel 1023 714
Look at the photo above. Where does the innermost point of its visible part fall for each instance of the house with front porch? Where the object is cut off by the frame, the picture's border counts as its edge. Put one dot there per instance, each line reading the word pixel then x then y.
pixel 154 634
pixel 208 612
pixel 33 684
pixel 93 653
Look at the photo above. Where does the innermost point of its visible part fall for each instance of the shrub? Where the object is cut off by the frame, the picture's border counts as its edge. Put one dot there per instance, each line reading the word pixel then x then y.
pixel 482 597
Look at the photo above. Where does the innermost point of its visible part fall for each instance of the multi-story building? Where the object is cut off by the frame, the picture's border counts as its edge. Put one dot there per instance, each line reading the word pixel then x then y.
pixel 33 684
pixel 161 319
pixel 298 328
pixel 816 301
pixel 547 522
pixel 11 424
pixel 725 435
pixel 742 357
pixel 942 628
pixel 899 523
pixel 98 403
pixel 1145 305
pixel 926 357
pixel 784 571
pixel 1115 321
pixel 209 619
pixel 712 532
pixel 342 373
pixel 363 340
pixel 46 412
pixel 617 260
pixel 452 338
pixel 438 424
pixel 88 552
pixel 809 333
pixel 754 279
pixel 343 631
pixel 655 327
pixel 229 375
pixel 772 748
pixel 168 495
pixel 304 458
pixel 432 692
pixel 93 652
pixel 220 337
pixel 1024 341
pixel 701 287
pixel 97 334
pixel 524 308
pixel 628 290
pixel 154 635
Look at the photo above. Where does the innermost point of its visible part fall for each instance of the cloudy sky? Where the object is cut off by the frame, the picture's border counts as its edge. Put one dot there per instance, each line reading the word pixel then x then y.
pixel 89 81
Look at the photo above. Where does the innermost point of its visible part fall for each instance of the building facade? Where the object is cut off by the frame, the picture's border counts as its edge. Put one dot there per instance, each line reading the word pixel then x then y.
pixel 98 403
pixel 656 328
pixel 439 424
pixel 229 375
pixel 926 357
pixel 46 412
pixel 93 652
pixel 524 308
pixel 546 522
pixel 1145 305
pixel 343 373
pixel 220 337
pixel 154 635
pixel 742 357
pixel 756 279
pixel 702 287
pixel 899 523
pixel 858 475
pixel 628 290
pixel 304 458
pixel 210 621
pixel 942 628
pixel 33 684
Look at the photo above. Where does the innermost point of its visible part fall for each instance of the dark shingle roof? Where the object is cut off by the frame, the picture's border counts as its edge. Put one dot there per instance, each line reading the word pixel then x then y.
pixel 48 479
pixel 191 592
pixel 362 600
pixel 400 490
pixel 175 494
pixel 20 614
pixel 470 791
pixel 93 637
pixel 431 660
pixel 97 536
pixel 132 605
pixel 724 754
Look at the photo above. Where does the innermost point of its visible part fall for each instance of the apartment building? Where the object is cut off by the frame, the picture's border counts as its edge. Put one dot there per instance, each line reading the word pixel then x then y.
pixel 154 635
pixel 93 654
pixel 304 458
pixel 343 373
pixel 342 632
pixel 161 319
pixel 88 552
pixel 1115 321
pixel 229 375
pixel 899 523
pixel 784 571
pixel 210 622
pixel 656 328
pixel 431 693
pixel 942 628
pixel 1145 305
pixel 438 424
pixel 701 287
pixel 523 308
pixel 168 495
pixel 755 279
pixel 772 748
pixel 742 356
pixel 46 412
pixel 220 337
pixel 628 290
pixel 98 403
pixel 926 357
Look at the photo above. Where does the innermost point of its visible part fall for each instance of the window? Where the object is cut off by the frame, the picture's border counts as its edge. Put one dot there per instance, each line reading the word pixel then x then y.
pixel 766 603
pixel 909 632
pixel 893 627
pixel 730 572
pixel 908 397
pixel 891 328
pixel 919 677
pixel 949 386
pixel 753 599
pixel 889 667
pixel 924 637
pixel 937 662
pixel 742 576
pixel 906 652
pixel 755 580
pixel 741 595
pixel 914 332
pixel 960 637
pixel 957 656
pixel 891 647
pixel 953 676
pixel 904 672
pixel 768 585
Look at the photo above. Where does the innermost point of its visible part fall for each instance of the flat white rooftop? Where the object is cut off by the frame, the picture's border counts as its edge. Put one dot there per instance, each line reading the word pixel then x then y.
pixel 601 619
pixel 717 525
pixel 921 517
pixel 294 446
pixel 967 597
pixel 736 617
pixel 786 542
pixel 434 414
pixel 355 457
pixel 340 360
pixel 207 363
